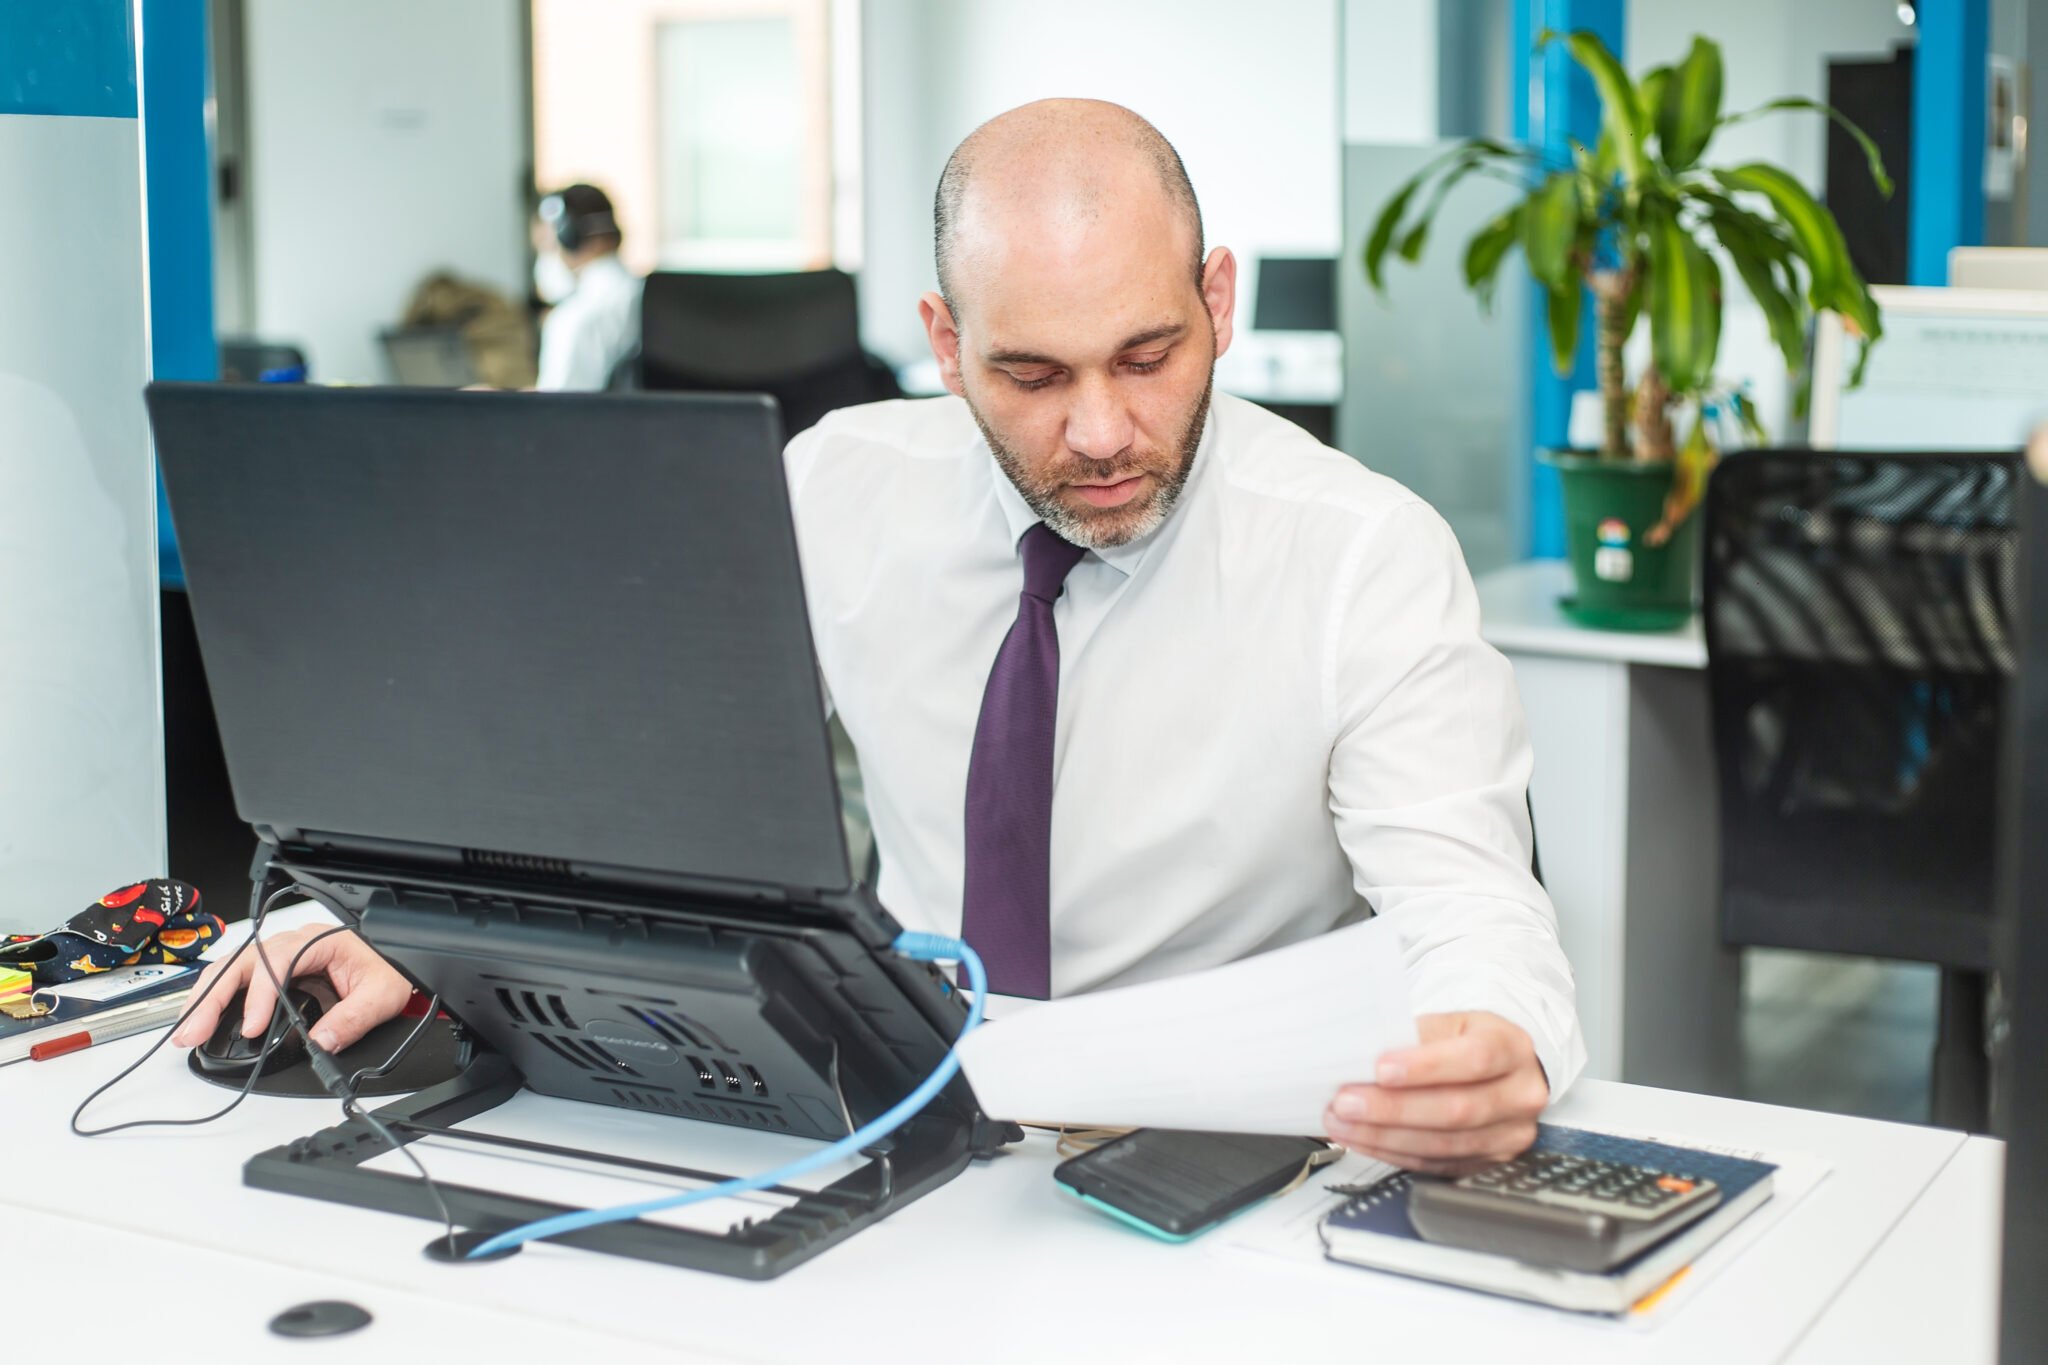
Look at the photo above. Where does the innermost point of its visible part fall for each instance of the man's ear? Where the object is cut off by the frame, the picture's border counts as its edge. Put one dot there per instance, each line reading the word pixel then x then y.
pixel 1219 294
pixel 944 335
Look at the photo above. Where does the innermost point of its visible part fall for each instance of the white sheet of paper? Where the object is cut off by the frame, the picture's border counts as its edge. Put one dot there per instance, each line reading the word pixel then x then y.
pixel 1257 1046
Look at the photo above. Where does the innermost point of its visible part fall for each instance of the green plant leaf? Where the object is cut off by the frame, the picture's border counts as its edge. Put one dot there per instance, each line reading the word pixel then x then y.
pixel 1690 106
pixel 1684 301
pixel 1382 233
pixel 1782 313
pixel 1561 309
pixel 1761 235
pixel 1870 152
pixel 1487 249
pixel 1617 96
pixel 1474 150
pixel 1604 158
pixel 1550 227
pixel 1650 96
pixel 1814 232
pixel 1861 309
pixel 1417 236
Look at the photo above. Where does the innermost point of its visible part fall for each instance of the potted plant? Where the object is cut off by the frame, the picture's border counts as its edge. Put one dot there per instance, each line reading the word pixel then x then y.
pixel 1644 226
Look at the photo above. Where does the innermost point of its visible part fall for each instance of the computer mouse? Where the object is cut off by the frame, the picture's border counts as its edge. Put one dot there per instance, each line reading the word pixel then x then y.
pixel 228 1053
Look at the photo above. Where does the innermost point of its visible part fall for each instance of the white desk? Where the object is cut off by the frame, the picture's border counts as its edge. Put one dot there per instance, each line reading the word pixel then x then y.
pixel 994 1266
pixel 1627 829
pixel 1930 1290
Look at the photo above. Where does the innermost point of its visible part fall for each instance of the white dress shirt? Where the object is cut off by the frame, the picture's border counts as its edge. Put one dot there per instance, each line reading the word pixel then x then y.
pixel 586 335
pixel 1276 715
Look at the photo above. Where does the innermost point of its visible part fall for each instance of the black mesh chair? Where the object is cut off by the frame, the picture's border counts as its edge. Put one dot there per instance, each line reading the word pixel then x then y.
pixel 1858 613
pixel 795 337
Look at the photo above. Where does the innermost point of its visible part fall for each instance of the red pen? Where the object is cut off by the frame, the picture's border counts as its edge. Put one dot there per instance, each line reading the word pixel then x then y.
pixel 139 1022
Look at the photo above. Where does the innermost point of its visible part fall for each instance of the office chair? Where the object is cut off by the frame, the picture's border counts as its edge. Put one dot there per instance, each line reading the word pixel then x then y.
pixel 1858 613
pixel 795 337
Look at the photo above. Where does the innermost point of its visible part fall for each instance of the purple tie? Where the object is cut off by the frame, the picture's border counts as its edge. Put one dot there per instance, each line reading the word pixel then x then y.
pixel 1007 910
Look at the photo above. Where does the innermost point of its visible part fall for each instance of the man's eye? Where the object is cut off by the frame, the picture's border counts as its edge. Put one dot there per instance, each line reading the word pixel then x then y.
pixel 1037 383
pixel 1144 366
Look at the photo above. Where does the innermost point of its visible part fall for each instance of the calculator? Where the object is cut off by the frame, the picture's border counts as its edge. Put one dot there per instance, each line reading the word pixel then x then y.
pixel 1556 1209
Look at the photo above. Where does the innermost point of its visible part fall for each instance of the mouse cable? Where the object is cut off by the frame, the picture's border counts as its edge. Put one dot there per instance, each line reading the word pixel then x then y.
pixel 262 909
pixel 918 948
pixel 322 1061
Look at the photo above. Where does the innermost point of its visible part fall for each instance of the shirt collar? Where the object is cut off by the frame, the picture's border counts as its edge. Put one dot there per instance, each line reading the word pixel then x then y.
pixel 1125 559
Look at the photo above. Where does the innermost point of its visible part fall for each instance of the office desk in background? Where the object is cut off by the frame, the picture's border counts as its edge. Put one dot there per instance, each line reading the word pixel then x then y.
pixel 1627 828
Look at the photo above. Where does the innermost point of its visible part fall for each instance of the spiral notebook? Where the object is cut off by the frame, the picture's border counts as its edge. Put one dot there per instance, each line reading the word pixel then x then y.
pixel 1372 1229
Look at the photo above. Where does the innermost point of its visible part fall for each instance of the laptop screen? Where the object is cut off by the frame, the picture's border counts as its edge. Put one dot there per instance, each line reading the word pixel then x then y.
pixel 561 626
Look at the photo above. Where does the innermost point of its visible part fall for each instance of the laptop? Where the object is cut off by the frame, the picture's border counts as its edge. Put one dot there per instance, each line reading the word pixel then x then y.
pixel 529 678
pixel 428 357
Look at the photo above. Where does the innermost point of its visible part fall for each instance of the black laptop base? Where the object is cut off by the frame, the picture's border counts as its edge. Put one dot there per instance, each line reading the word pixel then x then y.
pixel 782 1018
pixel 921 1156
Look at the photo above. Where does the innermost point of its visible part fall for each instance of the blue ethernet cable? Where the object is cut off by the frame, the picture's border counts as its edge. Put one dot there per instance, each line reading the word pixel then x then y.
pixel 916 947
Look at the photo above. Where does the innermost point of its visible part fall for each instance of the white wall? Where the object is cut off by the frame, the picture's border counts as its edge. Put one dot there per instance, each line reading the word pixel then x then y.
pixel 1769 48
pixel 81 743
pixel 387 138
pixel 1249 100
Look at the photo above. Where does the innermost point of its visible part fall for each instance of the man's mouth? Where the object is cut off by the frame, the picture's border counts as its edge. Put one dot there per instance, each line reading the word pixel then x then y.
pixel 1110 494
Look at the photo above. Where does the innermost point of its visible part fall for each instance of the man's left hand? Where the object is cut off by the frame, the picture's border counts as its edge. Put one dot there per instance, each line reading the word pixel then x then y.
pixel 1466 1097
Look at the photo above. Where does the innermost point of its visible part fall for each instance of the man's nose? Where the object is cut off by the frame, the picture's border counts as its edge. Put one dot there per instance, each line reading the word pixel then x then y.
pixel 1099 425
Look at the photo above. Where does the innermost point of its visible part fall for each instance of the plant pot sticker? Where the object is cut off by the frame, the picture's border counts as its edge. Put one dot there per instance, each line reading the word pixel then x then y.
pixel 1613 561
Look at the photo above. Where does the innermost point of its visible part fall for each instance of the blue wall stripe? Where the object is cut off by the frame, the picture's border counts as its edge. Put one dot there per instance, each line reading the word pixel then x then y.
pixel 178 179
pixel 1949 124
pixel 1554 102
pixel 67 57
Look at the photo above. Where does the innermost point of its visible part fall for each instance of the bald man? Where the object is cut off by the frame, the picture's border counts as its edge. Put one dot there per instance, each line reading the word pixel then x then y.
pixel 1241 699
pixel 1145 680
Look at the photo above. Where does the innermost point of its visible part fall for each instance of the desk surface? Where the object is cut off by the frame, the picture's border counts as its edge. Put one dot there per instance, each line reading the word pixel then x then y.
pixel 1518 614
pixel 995 1263
pixel 1943 1259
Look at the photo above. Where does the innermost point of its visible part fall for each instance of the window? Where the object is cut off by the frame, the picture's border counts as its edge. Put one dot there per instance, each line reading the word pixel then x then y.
pixel 709 122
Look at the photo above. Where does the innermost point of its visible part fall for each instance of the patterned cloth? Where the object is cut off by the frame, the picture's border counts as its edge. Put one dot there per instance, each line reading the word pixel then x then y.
pixel 154 921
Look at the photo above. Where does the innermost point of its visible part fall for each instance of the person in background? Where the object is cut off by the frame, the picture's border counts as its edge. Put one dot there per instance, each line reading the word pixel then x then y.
pixel 593 321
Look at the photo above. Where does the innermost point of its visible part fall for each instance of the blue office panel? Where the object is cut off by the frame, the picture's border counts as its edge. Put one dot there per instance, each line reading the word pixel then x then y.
pixel 67 57
pixel 178 175
pixel 1949 125
pixel 1553 103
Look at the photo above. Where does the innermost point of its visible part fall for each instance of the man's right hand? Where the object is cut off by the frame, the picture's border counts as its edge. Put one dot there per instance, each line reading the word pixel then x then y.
pixel 368 988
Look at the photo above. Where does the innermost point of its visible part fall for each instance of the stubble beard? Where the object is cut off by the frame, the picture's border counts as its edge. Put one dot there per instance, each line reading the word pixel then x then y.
pixel 1103 528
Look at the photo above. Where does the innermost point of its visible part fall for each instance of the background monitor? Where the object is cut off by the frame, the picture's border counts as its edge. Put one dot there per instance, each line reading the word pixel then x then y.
pixel 428 357
pixel 1957 369
pixel 1296 294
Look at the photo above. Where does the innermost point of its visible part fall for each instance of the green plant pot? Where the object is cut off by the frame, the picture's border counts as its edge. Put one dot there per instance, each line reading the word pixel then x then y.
pixel 1621 583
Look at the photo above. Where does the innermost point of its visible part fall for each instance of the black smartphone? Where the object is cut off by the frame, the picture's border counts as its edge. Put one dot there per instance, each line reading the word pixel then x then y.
pixel 1175 1184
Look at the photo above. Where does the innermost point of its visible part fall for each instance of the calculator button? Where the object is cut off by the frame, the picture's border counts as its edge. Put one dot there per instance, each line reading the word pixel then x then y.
pixel 1675 1184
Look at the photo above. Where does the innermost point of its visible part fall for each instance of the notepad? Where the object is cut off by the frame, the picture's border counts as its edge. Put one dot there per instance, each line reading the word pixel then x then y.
pixel 1373 1230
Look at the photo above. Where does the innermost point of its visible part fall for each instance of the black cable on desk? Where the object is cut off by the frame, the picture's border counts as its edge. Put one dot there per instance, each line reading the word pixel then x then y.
pixel 329 1075
pixel 322 1062
pixel 255 926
